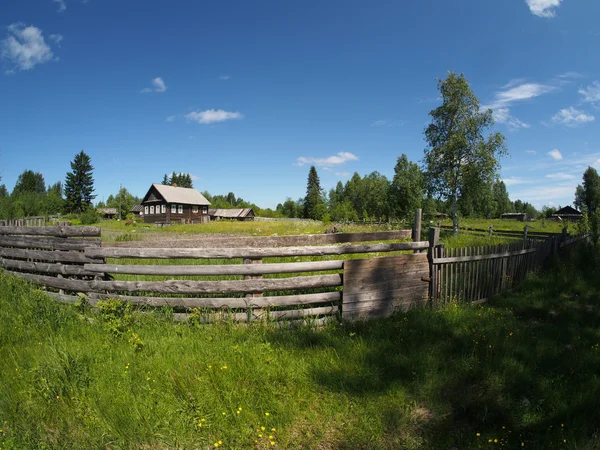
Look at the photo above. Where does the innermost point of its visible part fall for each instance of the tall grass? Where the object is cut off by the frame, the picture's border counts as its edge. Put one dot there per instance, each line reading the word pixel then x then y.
pixel 523 370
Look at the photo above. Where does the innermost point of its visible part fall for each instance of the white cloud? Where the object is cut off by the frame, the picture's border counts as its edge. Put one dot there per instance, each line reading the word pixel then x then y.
pixel 512 181
pixel 591 94
pixel 171 118
pixel 158 85
pixel 502 115
pixel 194 177
pixel 56 38
pixel 562 193
pixel 543 8
pixel 388 123
pixel 212 116
pixel 25 47
pixel 531 152
pixel 516 91
pixel 225 77
pixel 571 117
pixel 555 154
pixel 335 160
pixel 560 176
pixel 343 174
pixel 61 5
pixel 379 123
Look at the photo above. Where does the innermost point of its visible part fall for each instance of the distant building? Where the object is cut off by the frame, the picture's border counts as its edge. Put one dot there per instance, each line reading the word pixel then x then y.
pixel 107 213
pixel 241 214
pixel 568 213
pixel 441 216
pixel 521 217
pixel 172 204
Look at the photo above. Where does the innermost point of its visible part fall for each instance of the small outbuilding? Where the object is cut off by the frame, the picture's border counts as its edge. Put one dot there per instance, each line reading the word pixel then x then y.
pixel 521 217
pixel 137 210
pixel 107 213
pixel 172 204
pixel 241 214
pixel 568 213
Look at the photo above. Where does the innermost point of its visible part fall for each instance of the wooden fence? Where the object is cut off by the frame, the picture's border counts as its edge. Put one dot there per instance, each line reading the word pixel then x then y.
pixel 351 275
pixel 34 221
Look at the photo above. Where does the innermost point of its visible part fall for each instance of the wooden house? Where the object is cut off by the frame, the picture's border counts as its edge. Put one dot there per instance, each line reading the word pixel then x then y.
pixel 172 204
pixel 568 213
pixel 241 214
pixel 107 213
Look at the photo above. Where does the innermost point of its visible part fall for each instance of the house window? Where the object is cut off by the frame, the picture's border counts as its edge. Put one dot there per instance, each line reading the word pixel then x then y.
pixel 205 209
pixel 152 210
pixel 163 209
pixel 195 209
pixel 180 209
pixel 173 209
pixel 145 210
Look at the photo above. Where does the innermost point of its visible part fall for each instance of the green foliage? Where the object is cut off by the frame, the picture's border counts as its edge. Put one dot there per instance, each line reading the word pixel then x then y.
pixel 123 200
pixel 590 197
pixel 178 179
pixel 407 189
pixel 79 184
pixel 116 315
pixel 459 155
pixel 29 182
pixel 89 217
pixel 313 202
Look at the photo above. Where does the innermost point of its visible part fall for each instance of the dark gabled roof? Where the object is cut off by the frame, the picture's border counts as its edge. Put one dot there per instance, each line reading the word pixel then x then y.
pixel 136 208
pixel 567 211
pixel 107 210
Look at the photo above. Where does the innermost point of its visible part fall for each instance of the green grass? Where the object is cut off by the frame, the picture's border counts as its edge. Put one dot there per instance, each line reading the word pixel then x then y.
pixel 524 369
pixel 549 226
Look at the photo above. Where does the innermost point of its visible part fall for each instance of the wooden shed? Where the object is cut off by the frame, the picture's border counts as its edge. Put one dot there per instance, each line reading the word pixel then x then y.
pixel 241 214
pixel 521 217
pixel 172 204
pixel 107 213
pixel 137 210
pixel 568 213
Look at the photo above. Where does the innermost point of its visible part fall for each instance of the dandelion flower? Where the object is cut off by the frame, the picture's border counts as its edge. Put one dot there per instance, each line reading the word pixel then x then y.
pixel 267 414
pixel 262 428
pixel 478 434
pixel 260 435
pixel 272 443
pixel 273 430
pixel 495 441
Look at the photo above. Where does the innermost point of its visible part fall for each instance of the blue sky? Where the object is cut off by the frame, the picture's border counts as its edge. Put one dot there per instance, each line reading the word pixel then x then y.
pixel 245 96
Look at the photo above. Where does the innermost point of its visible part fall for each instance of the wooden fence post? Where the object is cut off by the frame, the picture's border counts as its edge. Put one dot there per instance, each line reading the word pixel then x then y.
pixel 563 236
pixel 491 231
pixel 525 232
pixel 416 234
pixel 434 240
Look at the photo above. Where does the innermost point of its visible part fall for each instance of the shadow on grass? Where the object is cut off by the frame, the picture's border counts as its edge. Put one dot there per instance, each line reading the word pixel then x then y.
pixel 523 371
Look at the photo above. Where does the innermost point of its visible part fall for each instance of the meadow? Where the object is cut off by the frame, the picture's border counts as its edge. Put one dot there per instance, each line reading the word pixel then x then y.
pixel 521 371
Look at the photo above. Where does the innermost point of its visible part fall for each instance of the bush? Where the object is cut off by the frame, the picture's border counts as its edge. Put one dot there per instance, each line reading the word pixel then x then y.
pixel 90 217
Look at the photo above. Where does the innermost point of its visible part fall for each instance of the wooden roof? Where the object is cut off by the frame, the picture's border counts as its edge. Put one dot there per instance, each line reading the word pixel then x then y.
pixel 231 213
pixel 107 210
pixel 136 208
pixel 175 194
pixel 567 211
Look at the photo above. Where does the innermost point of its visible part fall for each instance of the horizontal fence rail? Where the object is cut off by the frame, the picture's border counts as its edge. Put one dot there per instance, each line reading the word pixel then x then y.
pixel 71 264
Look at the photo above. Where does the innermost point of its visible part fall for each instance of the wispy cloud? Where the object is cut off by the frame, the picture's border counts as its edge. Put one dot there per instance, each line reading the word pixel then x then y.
pixel 513 181
pixel 225 77
pixel 56 38
pixel 560 176
pixel 531 152
pixel 555 154
pixel 212 116
pixel 343 174
pixel 158 85
pixel 61 5
pixel 503 116
pixel 388 123
pixel 543 8
pixel 335 160
pixel 171 118
pixel 571 117
pixel 24 48
pixel 591 94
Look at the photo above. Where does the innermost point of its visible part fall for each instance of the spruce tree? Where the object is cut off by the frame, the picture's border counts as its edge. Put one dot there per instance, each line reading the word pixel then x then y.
pixel 166 180
pixel 79 184
pixel 313 202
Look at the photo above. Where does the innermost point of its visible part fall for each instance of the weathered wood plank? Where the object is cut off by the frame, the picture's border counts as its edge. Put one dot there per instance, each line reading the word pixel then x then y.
pixel 228 253
pixel 269 241
pixel 479 257
pixel 50 243
pixel 187 287
pixel 233 303
pixel 63 298
pixel 47 255
pixel 63 269
pixel 51 231
pixel 223 269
